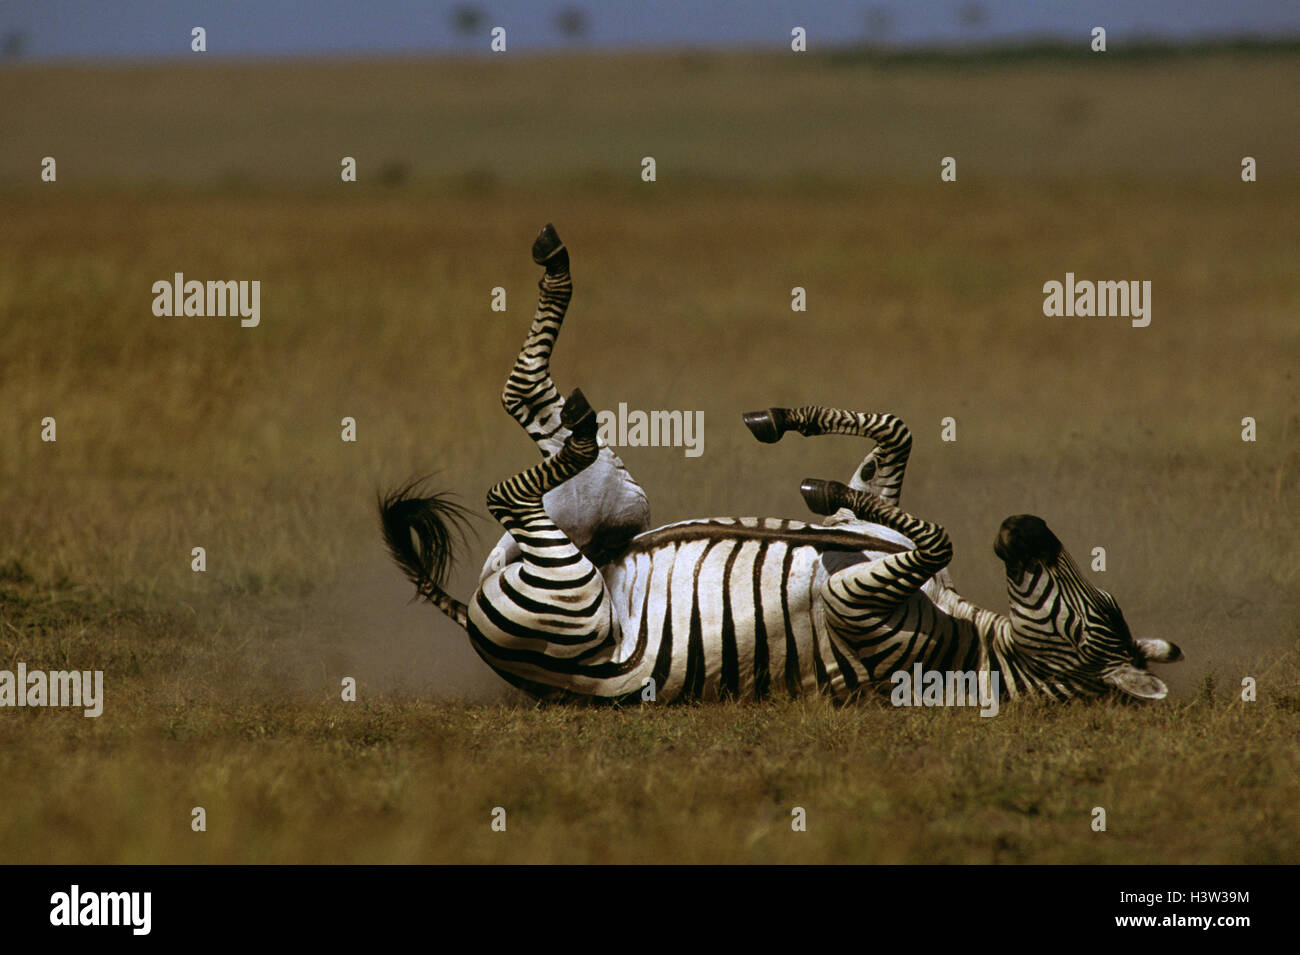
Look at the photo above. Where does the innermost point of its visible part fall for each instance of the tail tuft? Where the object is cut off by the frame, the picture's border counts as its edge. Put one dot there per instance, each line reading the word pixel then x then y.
pixel 422 533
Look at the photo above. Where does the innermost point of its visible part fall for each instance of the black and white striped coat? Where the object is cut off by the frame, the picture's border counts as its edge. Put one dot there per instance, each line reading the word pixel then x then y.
pixel 581 601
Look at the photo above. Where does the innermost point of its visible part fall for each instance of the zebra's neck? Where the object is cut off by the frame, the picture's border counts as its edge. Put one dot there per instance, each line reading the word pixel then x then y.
pixel 994 642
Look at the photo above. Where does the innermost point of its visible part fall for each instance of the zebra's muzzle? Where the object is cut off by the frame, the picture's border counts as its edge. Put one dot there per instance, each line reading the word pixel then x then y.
pixel 1024 540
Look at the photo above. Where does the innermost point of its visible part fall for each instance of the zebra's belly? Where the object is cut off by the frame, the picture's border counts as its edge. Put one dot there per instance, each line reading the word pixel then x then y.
pixel 732 607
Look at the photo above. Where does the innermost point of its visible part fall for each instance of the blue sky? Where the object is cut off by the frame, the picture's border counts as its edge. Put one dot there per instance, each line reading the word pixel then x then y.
pixel 146 29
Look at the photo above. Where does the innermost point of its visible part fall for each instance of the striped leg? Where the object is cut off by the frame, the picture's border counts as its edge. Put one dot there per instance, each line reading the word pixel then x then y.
pixel 553 600
pixel 860 597
pixel 604 507
pixel 880 473
pixel 530 396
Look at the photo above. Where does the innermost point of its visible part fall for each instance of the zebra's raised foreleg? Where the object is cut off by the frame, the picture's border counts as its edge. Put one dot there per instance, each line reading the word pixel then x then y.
pixel 881 471
pixel 860 598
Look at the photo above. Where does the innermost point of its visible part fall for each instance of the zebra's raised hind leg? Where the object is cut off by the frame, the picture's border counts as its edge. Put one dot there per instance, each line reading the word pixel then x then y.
pixel 545 619
pixel 529 395
pixel 881 471
pixel 604 506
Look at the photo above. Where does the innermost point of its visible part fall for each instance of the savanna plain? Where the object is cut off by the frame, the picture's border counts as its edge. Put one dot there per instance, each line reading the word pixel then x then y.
pixel 924 298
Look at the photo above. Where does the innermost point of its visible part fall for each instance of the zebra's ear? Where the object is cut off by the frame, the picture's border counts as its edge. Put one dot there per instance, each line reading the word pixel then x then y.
pixel 1160 651
pixel 1139 683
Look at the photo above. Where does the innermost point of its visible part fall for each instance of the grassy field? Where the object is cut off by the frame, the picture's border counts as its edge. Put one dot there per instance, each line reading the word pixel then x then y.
pixel 923 299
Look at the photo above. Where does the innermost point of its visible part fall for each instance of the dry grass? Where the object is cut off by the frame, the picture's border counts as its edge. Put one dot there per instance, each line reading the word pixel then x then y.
pixel 726 117
pixel 923 300
pixel 403 781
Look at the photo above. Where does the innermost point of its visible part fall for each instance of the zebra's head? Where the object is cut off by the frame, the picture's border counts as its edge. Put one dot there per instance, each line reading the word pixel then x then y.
pixel 1068 633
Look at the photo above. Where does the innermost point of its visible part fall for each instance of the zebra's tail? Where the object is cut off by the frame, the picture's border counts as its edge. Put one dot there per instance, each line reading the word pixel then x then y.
pixel 421 534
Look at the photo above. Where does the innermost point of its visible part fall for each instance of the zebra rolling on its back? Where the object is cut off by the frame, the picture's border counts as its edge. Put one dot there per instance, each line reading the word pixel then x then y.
pixel 581 601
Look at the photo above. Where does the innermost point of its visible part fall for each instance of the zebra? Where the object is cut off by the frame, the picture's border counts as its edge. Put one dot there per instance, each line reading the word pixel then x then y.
pixel 581 601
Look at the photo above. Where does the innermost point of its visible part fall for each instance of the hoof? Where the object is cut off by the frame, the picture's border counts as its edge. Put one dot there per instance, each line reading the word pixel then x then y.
pixel 823 497
pixel 578 415
pixel 767 426
pixel 868 469
pixel 549 251
pixel 576 407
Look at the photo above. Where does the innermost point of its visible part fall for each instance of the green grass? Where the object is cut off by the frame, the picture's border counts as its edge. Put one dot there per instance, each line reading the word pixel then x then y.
pixel 924 299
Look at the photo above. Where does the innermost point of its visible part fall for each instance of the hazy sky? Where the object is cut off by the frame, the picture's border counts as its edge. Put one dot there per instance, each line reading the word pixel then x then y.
pixel 152 28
